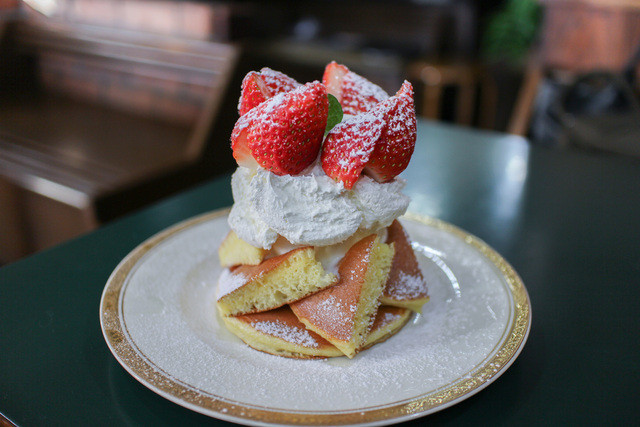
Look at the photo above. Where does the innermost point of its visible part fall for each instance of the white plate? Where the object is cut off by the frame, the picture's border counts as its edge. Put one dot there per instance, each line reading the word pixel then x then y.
pixel 158 319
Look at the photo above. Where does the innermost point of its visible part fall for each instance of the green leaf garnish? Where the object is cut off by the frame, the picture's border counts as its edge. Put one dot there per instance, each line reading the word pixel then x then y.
pixel 335 113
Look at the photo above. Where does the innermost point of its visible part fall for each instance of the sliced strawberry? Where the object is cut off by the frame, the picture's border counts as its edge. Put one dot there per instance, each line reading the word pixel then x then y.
pixel 257 87
pixel 284 133
pixel 379 142
pixel 333 75
pixel 396 144
pixel 355 93
pixel 348 147
pixel 241 151
pixel 254 92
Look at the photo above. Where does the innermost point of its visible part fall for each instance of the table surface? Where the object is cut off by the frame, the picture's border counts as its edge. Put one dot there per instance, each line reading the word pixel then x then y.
pixel 568 221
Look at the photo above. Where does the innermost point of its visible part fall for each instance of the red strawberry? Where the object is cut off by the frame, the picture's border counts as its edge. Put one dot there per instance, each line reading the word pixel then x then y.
pixel 348 147
pixel 379 142
pixel 398 140
pixel 355 93
pixel 284 133
pixel 257 87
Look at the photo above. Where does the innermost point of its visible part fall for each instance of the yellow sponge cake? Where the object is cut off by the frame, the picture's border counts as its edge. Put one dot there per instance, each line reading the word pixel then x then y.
pixel 271 284
pixel 388 321
pixel 235 251
pixel 405 286
pixel 343 314
pixel 279 332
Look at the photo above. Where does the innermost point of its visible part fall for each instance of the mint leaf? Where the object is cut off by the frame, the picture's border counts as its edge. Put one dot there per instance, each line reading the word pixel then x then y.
pixel 335 113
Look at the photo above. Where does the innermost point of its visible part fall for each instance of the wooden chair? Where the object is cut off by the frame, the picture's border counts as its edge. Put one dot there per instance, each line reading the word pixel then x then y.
pixel 88 112
pixel 467 79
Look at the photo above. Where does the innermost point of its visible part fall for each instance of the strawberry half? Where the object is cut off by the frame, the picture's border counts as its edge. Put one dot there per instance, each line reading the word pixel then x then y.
pixel 283 134
pixel 396 144
pixel 379 142
pixel 257 87
pixel 348 147
pixel 355 93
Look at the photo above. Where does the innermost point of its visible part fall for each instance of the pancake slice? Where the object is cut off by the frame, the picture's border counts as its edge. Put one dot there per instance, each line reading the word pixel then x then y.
pixel 235 251
pixel 405 286
pixel 343 314
pixel 388 321
pixel 275 282
pixel 279 332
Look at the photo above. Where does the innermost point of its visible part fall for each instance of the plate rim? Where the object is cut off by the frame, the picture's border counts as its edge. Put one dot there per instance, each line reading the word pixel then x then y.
pixel 225 409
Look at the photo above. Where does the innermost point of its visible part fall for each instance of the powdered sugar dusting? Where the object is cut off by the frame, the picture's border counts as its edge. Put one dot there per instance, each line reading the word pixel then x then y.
pixel 332 311
pixel 229 282
pixel 389 318
pixel 359 94
pixel 277 82
pixel 409 286
pixel 288 333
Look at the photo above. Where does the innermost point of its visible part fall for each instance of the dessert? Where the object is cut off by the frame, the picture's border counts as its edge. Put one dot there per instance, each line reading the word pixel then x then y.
pixel 315 246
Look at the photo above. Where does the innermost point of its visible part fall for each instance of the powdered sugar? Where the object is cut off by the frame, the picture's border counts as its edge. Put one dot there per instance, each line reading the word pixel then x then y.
pixel 335 312
pixel 288 333
pixel 359 94
pixel 409 287
pixel 229 282
pixel 389 318
pixel 277 82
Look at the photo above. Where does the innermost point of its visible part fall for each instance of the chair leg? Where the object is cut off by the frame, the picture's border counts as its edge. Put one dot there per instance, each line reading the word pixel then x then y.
pixel 521 117
pixel 432 100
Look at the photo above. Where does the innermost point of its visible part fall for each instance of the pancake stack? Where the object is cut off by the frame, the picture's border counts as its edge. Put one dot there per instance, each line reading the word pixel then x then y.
pixel 287 305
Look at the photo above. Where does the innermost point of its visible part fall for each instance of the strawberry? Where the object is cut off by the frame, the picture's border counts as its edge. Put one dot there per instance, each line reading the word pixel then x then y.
pixel 348 147
pixel 257 87
pixel 398 140
pixel 355 93
pixel 283 134
pixel 379 142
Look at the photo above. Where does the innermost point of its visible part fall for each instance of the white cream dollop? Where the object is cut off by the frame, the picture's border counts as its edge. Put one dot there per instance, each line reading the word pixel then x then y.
pixel 311 208
pixel 243 219
pixel 379 203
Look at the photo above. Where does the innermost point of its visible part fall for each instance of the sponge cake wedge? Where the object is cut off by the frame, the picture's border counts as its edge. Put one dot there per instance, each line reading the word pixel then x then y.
pixel 235 251
pixel 405 286
pixel 343 314
pixel 275 282
pixel 279 332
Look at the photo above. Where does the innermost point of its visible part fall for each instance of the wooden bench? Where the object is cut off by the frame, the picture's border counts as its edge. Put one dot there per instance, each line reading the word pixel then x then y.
pixel 87 113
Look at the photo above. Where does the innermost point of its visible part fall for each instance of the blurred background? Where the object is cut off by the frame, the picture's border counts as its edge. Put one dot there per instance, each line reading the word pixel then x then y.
pixel 109 105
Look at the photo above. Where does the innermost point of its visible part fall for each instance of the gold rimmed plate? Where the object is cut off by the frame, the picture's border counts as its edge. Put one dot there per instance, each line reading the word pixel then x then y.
pixel 158 318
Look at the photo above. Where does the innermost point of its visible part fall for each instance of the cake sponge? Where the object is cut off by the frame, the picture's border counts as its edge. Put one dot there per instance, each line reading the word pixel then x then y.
pixel 276 281
pixel 235 251
pixel 343 314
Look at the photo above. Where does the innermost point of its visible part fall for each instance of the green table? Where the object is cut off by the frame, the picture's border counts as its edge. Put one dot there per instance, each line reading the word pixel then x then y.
pixel 568 221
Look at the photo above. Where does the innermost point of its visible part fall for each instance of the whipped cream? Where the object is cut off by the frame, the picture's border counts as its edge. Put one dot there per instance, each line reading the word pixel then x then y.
pixel 243 218
pixel 310 209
